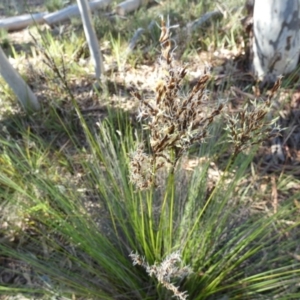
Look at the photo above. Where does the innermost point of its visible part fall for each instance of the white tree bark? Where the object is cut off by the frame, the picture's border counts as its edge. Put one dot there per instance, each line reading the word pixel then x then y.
pixel 91 37
pixel 21 22
pixel 73 11
pixel 276 45
pixel 23 92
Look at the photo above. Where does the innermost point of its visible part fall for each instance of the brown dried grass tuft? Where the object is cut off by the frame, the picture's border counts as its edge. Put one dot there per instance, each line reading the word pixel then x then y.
pixel 175 121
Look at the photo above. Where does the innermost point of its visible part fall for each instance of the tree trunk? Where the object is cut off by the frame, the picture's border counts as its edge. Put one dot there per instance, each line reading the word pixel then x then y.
pixel 91 37
pixel 17 84
pixel 276 45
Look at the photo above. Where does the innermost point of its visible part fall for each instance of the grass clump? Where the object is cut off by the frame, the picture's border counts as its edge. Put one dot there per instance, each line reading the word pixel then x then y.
pixel 54 5
pixel 93 197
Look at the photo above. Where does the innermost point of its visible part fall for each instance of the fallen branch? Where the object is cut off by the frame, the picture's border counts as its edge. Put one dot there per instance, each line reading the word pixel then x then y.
pixel 91 37
pixel 191 26
pixel 21 22
pixel 134 40
pixel 23 92
pixel 73 11
pixel 130 5
pixel 183 37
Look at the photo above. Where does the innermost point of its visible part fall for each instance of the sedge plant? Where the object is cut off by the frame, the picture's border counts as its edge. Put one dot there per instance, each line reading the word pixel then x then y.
pixel 86 230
